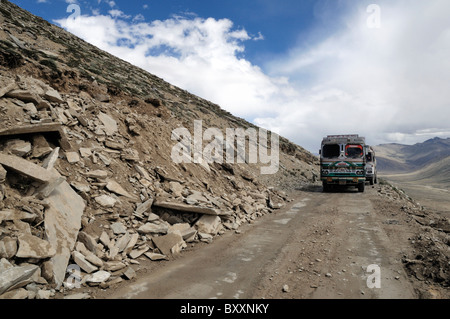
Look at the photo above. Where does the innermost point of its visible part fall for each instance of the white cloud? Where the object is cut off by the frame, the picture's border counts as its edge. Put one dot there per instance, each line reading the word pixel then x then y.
pixel 115 13
pixel 139 18
pixel 388 84
pixel 199 55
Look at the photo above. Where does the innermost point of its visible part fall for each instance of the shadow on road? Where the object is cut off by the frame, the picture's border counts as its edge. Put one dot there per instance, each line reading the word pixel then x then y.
pixel 319 189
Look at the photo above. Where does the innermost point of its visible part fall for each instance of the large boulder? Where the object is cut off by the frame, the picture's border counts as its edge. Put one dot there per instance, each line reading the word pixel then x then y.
pixel 209 224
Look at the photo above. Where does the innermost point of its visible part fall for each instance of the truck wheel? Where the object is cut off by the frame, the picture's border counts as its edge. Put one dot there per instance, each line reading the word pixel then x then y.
pixel 361 187
pixel 326 187
pixel 372 180
pixel 376 179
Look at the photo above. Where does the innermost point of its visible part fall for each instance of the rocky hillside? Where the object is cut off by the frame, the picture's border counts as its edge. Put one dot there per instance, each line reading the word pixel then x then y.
pixel 88 187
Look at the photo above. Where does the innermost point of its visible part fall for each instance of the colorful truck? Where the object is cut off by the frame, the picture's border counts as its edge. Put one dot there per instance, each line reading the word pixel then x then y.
pixel 343 162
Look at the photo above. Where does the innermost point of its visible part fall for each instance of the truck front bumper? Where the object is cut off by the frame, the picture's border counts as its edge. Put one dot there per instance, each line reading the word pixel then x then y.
pixel 343 180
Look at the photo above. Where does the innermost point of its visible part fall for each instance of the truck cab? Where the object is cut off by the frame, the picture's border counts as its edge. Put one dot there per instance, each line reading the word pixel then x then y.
pixel 343 162
pixel 371 165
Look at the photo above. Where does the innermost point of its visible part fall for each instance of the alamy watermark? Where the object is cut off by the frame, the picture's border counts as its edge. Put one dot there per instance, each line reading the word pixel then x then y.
pixel 75 10
pixel 239 145
pixel 374 279
pixel 74 278
pixel 374 19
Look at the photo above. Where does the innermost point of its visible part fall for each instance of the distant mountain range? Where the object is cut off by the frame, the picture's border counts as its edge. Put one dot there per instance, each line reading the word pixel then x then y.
pixel 398 158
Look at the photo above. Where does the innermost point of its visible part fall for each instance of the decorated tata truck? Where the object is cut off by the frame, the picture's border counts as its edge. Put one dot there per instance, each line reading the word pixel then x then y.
pixel 343 162
pixel 371 165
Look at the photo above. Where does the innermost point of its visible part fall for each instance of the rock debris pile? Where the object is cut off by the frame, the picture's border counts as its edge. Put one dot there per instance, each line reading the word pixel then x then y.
pixel 430 260
pixel 76 192
pixel 88 188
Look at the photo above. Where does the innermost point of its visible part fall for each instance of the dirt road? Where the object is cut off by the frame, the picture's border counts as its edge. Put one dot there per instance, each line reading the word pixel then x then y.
pixel 319 246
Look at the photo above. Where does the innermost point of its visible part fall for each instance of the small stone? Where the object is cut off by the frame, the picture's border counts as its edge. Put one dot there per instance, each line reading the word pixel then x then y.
pixel 47 270
pixel 16 276
pixel 114 145
pixel 19 147
pixel 8 247
pixel 169 244
pixel 106 201
pixel 88 241
pixel 102 97
pixel 114 265
pixel 104 239
pixel 133 240
pixel 155 257
pixel 118 228
pixel 2 174
pixel 208 224
pixel 151 228
pixel 285 288
pixel 44 294
pixel 114 187
pixel 138 252
pixel 142 208
pixel 152 217
pixel 110 125
pixel 33 247
pixel 83 263
pixel 53 96
pixel 15 294
pixel 85 152
pixel 30 108
pixel 99 174
pixel 51 159
pixel 99 277
pixel 129 273
pixel 81 187
pixel 122 242
pixel 72 157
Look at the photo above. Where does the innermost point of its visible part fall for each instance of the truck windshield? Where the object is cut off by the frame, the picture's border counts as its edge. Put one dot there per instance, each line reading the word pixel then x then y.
pixel 353 150
pixel 331 150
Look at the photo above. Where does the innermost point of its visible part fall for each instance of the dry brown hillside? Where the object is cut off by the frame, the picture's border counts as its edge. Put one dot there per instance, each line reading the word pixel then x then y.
pixel 88 187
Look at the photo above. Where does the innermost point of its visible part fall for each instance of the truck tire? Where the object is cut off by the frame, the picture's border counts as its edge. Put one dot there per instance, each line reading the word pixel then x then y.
pixel 372 180
pixel 326 187
pixel 361 187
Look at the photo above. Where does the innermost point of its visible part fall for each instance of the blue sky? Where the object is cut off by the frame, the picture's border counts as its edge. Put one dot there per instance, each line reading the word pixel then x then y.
pixel 305 69
pixel 280 22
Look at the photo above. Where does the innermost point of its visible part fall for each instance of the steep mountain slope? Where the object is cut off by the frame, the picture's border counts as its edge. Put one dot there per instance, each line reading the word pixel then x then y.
pixel 87 172
pixel 407 158
pixel 437 173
